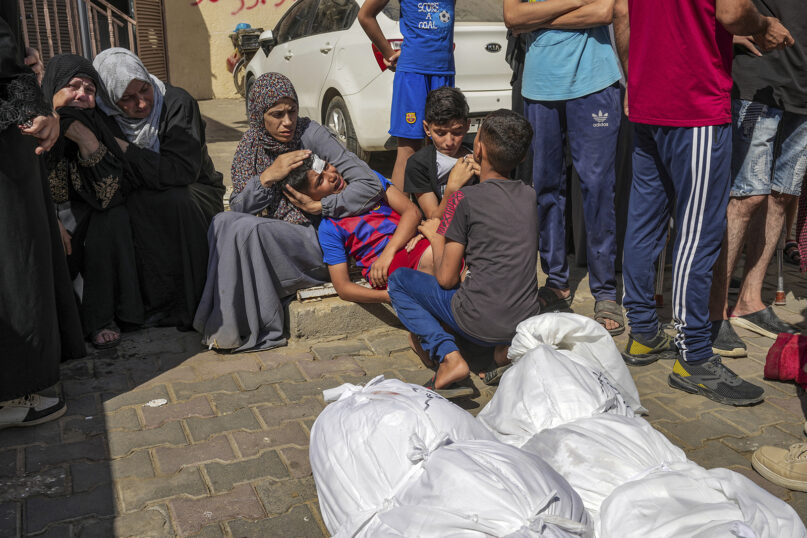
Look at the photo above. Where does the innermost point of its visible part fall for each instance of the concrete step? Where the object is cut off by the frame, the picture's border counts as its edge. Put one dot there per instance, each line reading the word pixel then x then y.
pixel 330 317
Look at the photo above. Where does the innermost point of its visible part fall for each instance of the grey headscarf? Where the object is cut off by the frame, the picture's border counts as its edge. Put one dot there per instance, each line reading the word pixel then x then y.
pixel 117 68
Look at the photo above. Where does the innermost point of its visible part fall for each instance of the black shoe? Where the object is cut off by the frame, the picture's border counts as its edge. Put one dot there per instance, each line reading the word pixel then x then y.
pixel 764 322
pixel 715 381
pixel 641 352
pixel 725 341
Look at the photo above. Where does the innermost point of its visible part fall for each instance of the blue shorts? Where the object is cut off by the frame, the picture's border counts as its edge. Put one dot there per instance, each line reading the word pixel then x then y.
pixel 770 150
pixel 409 92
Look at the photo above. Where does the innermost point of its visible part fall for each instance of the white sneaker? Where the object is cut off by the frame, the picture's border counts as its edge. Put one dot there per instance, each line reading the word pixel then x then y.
pixel 30 410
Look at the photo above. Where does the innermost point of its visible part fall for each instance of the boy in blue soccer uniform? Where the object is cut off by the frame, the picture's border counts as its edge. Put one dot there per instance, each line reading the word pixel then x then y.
pixel 424 63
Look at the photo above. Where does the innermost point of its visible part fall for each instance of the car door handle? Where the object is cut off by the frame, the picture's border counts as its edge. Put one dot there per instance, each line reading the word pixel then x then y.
pixel 326 49
pixel 288 55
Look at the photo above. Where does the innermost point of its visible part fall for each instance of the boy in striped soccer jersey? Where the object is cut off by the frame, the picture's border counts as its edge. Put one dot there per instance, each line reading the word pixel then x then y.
pixel 379 240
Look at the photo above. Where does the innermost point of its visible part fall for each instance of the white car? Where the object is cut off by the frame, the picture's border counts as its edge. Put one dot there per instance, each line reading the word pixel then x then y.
pixel 340 77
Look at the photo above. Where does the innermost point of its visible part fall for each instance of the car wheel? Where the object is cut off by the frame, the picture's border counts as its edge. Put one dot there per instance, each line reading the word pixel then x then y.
pixel 247 87
pixel 337 120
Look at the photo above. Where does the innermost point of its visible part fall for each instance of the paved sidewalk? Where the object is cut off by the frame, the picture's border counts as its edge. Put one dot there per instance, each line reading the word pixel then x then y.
pixel 164 438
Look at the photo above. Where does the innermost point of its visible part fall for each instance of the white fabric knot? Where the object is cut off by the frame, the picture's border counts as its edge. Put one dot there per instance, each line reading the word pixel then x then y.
pixel 347 389
pixel 419 451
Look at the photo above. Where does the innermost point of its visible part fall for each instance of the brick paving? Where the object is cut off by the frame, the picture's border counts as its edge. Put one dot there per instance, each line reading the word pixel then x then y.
pixel 164 438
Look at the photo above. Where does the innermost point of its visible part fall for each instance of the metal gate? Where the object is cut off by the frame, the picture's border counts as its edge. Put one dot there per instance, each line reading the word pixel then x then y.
pixel 87 27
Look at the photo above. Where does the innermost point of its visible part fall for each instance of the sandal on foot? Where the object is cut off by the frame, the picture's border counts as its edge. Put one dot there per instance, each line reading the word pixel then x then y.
pixel 550 302
pixel 451 391
pixel 493 375
pixel 608 309
pixel 791 252
pixel 109 344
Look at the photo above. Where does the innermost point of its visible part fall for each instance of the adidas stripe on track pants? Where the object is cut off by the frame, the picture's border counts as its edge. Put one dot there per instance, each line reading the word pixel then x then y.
pixel 683 172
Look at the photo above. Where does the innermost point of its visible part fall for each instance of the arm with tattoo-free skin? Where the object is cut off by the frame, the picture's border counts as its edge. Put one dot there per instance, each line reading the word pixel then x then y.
pixel 522 17
pixel 367 18
pixel 448 255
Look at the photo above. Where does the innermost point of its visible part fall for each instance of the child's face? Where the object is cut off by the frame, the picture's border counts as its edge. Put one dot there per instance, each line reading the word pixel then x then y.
pixel 328 182
pixel 447 137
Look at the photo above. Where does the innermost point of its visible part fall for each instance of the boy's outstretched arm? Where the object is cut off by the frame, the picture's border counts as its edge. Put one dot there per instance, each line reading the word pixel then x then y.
pixel 350 291
pixel 367 18
pixel 406 230
pixel 447 254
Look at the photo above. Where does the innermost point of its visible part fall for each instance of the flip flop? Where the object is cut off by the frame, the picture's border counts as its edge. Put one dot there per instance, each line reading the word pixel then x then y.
pixel 493 376
pixel 105 345
pixel 451 391
pixel 551 302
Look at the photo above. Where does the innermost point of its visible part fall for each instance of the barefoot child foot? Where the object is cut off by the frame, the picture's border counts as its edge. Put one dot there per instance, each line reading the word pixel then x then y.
pixel 452 368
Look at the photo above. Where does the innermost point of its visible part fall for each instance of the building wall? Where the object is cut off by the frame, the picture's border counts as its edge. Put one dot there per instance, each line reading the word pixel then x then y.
pixel 197 37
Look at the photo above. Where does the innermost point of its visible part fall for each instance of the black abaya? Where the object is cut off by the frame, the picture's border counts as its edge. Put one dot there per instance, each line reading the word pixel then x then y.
pixel 39 321
pixel 175 194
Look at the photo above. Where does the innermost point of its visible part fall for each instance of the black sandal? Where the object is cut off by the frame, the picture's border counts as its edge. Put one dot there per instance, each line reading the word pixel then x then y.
pixel 791 252
pixel 451 391
pixel 105 345
pixel 608 309
pixel 493 375
pixel 550 302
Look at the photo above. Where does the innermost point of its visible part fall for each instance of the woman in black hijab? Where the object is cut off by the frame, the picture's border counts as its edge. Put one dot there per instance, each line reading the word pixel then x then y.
pixel 38 318
pixel 88 182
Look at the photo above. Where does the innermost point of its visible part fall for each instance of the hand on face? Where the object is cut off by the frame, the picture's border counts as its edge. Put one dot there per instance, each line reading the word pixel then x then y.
pixel 281 166
pixel 328 182
pixel 465 168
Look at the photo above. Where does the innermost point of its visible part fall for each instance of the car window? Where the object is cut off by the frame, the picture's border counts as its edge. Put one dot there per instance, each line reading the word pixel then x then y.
pixel 464 10
pixel 296 22
pixel 334 15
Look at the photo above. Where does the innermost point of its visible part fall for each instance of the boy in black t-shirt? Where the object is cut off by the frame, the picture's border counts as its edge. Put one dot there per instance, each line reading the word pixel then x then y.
pixel 492 225
pixel 438 170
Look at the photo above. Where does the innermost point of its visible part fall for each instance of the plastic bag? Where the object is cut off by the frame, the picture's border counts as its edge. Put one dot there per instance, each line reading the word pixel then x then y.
pixel 545 389
pixel 685 499
pixel 598 454
pixel 482 488
pixel 360 444
pixel 584 341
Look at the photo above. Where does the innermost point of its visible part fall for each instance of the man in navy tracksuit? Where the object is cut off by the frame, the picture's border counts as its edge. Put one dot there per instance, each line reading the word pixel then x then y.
pixel 679 83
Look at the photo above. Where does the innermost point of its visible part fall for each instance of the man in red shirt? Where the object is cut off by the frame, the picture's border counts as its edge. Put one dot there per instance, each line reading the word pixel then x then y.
pixel 679 84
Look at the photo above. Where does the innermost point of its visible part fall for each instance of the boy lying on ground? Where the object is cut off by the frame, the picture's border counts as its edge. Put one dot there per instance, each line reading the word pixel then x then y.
pixel 379 240
pixel 438 170
pixel 492 225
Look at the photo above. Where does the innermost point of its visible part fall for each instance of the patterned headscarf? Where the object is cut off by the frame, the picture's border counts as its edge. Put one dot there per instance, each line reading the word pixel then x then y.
pixel 258 149
pixel 117 68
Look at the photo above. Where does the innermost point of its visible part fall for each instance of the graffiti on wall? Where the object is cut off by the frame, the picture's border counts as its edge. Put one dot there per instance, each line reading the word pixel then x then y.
pixel 242 5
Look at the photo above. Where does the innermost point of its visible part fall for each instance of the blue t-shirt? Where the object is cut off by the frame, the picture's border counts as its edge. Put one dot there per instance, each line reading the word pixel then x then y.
pixel 363 236
pixel 567 64
pixel 428 37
